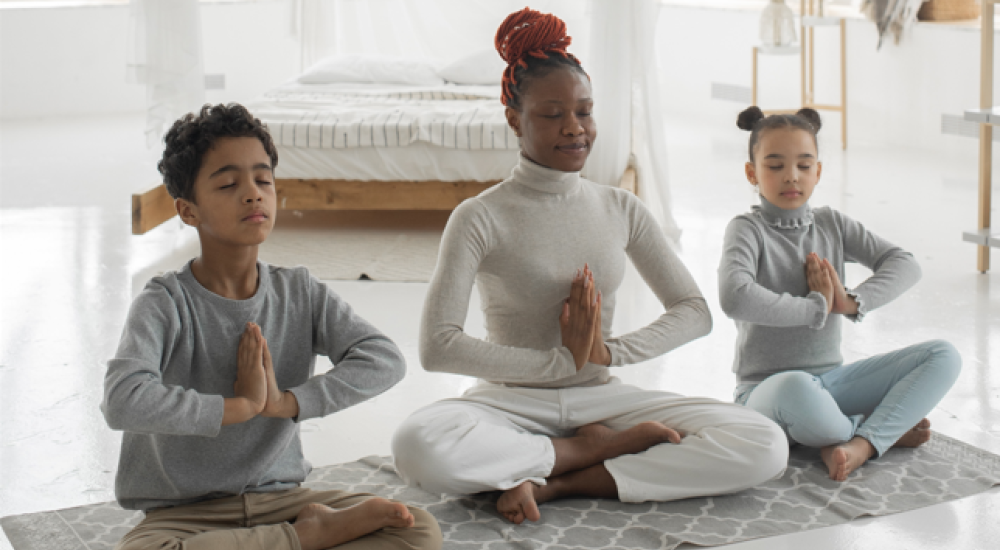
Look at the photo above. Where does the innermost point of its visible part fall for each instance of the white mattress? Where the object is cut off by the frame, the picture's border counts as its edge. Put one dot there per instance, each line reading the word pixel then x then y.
pixel 389 132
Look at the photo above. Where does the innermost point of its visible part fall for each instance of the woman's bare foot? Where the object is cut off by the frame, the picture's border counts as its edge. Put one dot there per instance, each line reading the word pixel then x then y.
pixel 843 459
pixel 916 436
pixel 320 527
pixel 519 504
pixel 636 439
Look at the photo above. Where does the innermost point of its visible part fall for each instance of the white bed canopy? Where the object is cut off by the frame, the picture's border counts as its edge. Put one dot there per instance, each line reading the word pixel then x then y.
pixel 614 39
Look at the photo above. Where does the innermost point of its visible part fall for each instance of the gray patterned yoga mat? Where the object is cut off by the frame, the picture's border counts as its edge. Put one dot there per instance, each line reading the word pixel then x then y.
pixel 801 499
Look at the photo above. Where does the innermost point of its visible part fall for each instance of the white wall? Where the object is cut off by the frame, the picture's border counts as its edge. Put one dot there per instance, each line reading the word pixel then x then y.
pixel 71 60
pixel 896 95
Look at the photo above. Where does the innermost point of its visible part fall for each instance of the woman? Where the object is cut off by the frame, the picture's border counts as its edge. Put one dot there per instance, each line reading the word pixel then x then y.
pixel 548 420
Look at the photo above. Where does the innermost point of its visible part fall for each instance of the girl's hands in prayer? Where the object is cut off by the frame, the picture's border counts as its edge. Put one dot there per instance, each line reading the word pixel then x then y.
pixel 579 315
pixel 819 280
pixel 842 302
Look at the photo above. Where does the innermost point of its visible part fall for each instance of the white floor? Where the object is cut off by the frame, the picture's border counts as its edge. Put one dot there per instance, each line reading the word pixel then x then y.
pixel 70 268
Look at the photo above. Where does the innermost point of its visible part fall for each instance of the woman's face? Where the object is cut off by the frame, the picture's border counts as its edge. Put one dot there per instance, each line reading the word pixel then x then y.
pixel 555 122
pixel 786 170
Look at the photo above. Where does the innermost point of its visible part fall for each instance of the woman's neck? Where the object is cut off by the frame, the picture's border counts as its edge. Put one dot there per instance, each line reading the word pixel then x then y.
pixel 542 178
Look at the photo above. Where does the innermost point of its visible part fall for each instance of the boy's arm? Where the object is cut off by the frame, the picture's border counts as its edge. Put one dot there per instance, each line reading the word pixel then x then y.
pixel 135 397
pixel 366 362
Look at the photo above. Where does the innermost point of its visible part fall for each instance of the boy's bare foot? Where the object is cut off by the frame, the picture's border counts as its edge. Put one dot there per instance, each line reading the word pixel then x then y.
pixel 916 436
pixel 320 527
pixel 519 504
pixel 843 459
pixel 636 439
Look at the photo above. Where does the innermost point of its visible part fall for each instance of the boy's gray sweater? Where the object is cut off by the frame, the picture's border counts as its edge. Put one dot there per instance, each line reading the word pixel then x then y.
pixel 781 324
pixel 177 361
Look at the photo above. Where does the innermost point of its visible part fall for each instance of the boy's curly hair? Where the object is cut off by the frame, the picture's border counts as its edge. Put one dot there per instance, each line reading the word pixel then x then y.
pixel 192 135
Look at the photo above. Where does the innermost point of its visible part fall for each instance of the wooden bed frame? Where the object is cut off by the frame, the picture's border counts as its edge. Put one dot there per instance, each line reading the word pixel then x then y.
pixel 154 207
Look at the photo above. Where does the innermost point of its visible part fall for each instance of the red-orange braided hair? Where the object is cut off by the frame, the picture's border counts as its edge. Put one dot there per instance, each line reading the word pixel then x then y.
pixel 529 35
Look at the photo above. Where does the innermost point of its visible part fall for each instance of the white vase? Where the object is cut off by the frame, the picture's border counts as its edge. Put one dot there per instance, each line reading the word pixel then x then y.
pixel 777 25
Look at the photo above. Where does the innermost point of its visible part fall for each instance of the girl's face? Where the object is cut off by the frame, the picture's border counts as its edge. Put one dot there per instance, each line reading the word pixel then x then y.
pixel 554 123
pixel 785 169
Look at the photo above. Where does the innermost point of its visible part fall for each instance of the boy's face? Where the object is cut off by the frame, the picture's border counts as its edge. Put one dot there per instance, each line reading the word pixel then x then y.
pixel 234 194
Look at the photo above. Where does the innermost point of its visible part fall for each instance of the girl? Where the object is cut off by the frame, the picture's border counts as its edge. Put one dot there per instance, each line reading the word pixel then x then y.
pixel 548 420
pixel 780 280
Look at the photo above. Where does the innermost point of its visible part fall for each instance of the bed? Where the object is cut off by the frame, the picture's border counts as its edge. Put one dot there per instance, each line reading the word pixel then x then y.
pixel 420 144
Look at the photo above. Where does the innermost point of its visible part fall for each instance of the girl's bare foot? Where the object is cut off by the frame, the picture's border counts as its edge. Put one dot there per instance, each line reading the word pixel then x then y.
pixel 843 459
pixel 916 436
pixel 519 504
pixel 636 439
pixel 320 526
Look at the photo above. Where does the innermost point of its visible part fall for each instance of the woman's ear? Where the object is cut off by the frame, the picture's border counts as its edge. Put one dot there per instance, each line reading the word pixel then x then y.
pixel 187 211
pixel 751 173
pixel 513 120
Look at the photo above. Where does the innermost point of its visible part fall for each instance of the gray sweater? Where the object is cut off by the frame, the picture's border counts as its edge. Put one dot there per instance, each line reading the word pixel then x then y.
pixel 762 285
pixel 521 242
pixel 177 361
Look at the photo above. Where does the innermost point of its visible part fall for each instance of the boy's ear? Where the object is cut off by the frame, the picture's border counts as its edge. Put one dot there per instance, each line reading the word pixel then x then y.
pixel 513 120
pixel 751 173
pixel 819 171
pixel 188 211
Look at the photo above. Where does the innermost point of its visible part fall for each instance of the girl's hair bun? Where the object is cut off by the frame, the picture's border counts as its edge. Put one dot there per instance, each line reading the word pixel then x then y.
pixel 749 118
pixel 812 117
pixel 529 32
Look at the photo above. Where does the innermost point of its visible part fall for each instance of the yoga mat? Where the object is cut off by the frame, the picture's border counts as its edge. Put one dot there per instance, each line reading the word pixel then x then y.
pixel 802 498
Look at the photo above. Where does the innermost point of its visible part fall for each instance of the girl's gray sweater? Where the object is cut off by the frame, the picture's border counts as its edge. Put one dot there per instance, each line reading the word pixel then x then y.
pixel 762 285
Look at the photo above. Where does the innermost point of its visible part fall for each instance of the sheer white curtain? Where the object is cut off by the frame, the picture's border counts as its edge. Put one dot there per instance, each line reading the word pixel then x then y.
pixel 614 39
pixel 165 54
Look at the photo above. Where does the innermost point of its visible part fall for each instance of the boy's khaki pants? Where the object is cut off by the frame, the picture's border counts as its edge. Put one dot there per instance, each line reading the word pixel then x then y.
pixel 260 521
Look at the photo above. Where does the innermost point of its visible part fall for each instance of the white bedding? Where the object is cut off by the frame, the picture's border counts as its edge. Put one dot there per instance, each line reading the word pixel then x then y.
pixel 388 132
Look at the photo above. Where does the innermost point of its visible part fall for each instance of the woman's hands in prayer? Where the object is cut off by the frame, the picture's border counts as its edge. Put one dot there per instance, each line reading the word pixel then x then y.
pixel 580 322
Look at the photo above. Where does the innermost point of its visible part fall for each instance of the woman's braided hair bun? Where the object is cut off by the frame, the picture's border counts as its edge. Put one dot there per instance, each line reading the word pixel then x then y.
pixel 526 35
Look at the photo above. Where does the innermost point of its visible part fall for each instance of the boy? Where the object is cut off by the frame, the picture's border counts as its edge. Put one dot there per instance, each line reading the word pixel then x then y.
pixel 211 448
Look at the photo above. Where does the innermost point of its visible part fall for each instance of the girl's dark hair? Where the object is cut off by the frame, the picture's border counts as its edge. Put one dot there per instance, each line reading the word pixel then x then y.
pixel 753 120
pixel 533 44
pixel 192 135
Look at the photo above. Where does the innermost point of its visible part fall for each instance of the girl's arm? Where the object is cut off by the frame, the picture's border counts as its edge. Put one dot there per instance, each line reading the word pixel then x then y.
pixel 894 270
pixel 444 345
pixel 687 316
pixel 743 299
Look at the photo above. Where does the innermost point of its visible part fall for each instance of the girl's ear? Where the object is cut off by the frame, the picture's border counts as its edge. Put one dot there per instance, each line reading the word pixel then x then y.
pixel 751 173
pixel 187 211
pixel 513 120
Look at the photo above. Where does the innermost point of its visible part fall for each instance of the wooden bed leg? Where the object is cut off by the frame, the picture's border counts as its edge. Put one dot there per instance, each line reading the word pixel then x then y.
pixel 151 209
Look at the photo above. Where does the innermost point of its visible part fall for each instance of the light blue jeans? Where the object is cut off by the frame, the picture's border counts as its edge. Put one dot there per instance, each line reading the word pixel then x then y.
pixel 879 398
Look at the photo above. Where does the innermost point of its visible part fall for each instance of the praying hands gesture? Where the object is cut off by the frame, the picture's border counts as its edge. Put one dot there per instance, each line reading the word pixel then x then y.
pixel 580 322
pixel 823 278
pixel 256 389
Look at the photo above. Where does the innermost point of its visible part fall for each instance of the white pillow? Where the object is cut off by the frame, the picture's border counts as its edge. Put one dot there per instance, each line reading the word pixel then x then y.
pixel 479 68
pixel 383 69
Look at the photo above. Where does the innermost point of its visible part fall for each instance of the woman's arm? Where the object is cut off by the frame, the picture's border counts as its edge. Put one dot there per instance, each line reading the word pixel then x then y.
pixel 894 270
pixel 444 345
pixel 743 299
pixel 687 316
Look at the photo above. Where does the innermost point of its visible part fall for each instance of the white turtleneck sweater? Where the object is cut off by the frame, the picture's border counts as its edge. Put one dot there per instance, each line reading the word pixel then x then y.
pixel 781 324
pixel 521 242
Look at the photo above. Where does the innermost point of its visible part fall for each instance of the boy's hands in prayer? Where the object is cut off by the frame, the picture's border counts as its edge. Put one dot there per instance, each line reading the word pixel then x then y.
pixel 250 388
pixel 280 404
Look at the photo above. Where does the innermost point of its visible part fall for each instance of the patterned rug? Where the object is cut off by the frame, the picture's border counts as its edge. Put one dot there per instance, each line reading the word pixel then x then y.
pixel 802 498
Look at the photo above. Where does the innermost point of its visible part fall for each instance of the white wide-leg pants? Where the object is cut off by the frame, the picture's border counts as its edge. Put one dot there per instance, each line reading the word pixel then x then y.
pixel 496 437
